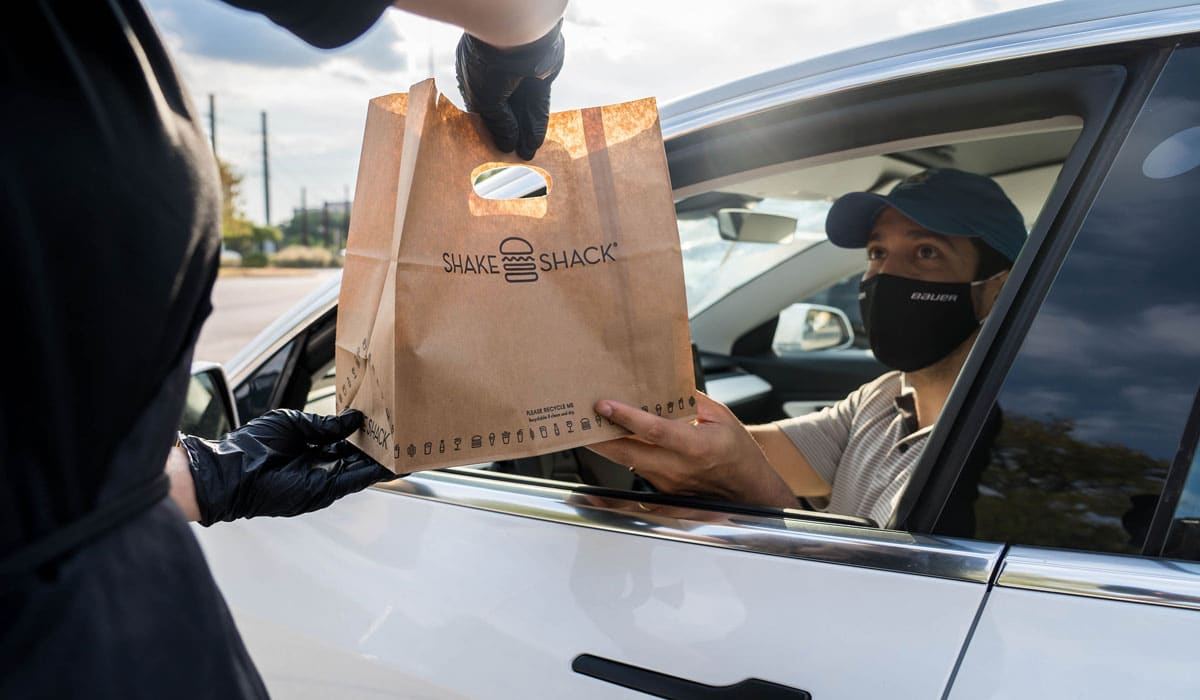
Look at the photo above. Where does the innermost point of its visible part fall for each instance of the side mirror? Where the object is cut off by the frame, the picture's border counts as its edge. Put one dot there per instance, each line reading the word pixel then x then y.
pixel 209 410
pixel 752 226
pixel 807 327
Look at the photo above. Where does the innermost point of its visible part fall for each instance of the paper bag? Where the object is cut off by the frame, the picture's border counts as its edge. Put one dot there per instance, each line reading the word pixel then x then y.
pixel 472 330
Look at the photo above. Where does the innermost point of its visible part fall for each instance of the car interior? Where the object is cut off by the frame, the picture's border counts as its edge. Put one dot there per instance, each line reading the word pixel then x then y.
pixel 740 357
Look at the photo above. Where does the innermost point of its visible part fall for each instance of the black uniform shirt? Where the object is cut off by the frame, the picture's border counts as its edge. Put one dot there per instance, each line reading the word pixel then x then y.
pixel 109 239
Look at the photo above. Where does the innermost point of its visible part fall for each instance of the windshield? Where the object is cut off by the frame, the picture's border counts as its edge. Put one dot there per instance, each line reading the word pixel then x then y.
pixel 713 266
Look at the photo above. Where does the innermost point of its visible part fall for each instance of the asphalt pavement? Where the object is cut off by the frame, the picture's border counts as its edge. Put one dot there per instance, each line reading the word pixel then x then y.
pixel 243 306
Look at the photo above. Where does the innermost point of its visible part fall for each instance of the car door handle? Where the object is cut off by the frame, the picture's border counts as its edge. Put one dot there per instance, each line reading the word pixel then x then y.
pixel 673 688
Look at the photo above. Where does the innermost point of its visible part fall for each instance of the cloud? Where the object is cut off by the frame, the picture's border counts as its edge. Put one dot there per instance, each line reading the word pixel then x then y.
pixel 1172 328
pixel 1160 401
pixel 1092 338
pixel 214 30
pixel 1065 338
pixel 1098 427
pixel 1036 402
pixel 1057 333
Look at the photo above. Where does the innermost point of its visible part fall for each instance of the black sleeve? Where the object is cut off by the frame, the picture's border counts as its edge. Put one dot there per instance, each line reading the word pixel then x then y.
pixel 326 24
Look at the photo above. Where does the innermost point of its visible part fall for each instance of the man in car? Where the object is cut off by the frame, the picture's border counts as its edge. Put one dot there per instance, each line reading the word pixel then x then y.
pixel 939 247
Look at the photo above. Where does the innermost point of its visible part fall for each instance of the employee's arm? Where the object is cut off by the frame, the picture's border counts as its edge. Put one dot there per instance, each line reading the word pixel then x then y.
pixel 282 463
pixel 183 487
pixel 501 23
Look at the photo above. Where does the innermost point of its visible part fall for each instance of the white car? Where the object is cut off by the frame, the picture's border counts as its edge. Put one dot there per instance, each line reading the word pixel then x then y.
pixel 1052 556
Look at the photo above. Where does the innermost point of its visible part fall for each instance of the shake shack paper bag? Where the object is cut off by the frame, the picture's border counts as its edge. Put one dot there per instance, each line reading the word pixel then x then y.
pixel 472 330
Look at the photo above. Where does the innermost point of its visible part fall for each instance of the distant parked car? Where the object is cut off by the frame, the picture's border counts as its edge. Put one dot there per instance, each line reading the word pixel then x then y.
pixel 230 258
pixel 563 576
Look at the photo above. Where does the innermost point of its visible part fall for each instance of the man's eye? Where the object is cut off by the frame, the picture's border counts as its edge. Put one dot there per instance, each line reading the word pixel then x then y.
pixel 927 252
pixel 874 254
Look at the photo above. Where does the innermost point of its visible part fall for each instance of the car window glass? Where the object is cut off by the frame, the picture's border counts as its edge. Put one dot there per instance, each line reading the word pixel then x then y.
pixel 713 266
pixel 1094 407
pixel 322 396
pixel 1182 539
pixel 204 413
pixel 254 395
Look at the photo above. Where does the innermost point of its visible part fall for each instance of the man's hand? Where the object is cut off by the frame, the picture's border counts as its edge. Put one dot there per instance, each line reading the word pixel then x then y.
pixel 510 88
pixel 282 463
pixel 713 456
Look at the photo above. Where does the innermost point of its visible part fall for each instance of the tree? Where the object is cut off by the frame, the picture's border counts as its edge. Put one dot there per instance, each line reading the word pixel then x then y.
pixel 1047 486
pixel 237 233
pixel 324 227
pixel 262 234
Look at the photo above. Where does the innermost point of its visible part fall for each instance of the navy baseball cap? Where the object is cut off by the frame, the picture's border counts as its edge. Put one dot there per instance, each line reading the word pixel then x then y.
pixel 944 200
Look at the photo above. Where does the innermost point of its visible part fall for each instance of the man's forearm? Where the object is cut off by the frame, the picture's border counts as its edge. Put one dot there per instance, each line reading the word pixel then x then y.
pixel 501 23
pixel 788 461
pixel 771 490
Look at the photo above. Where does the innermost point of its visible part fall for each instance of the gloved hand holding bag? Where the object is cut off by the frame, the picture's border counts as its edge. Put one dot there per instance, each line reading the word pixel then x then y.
pixel 283 463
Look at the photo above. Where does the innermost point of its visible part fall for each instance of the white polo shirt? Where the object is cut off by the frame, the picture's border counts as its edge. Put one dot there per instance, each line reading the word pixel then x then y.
pixel 864 446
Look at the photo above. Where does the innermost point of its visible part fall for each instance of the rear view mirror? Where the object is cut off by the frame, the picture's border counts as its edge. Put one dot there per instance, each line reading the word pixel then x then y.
pixel 808 327
pixel 750 226
pixel 208 411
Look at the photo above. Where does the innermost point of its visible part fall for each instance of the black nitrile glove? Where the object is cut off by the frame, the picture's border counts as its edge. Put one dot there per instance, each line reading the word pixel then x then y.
pixel 510 88
pixel 282 463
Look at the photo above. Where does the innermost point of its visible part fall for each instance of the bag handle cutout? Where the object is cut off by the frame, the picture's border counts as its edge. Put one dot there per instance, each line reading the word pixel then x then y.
pixel 509 188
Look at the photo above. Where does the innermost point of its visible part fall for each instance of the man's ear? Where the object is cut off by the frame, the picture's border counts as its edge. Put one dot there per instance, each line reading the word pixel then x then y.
pixel 988 292
pixel 998 284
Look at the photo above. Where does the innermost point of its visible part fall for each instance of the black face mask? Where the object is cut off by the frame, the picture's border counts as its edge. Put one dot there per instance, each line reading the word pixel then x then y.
pixel 912 323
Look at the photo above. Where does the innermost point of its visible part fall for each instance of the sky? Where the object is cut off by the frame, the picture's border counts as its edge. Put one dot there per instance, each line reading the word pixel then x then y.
pixel 617 50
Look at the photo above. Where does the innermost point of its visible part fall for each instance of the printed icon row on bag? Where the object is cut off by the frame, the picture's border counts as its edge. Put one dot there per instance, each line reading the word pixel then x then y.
pixel 670 407
pixel 542 432
pixel 521 436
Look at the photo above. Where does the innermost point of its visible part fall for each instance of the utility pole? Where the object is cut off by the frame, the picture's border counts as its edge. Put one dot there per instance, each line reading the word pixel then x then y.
pixel 303 218
pixel 325 223
pixel 266 172
pixel 212 121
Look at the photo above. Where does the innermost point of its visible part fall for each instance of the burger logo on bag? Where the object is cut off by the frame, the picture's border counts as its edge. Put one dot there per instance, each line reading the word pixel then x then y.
pixel 516 257
pixel 518 262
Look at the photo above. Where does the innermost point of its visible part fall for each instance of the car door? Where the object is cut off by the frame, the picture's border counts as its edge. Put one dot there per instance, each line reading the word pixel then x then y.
pixel 471 582
pixel 1093 478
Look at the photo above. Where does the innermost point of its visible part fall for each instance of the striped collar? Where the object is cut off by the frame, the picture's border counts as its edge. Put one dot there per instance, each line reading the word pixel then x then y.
pixel 906 407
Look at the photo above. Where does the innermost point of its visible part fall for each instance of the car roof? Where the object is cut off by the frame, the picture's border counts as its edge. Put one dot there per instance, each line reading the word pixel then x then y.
pixel 1056 26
